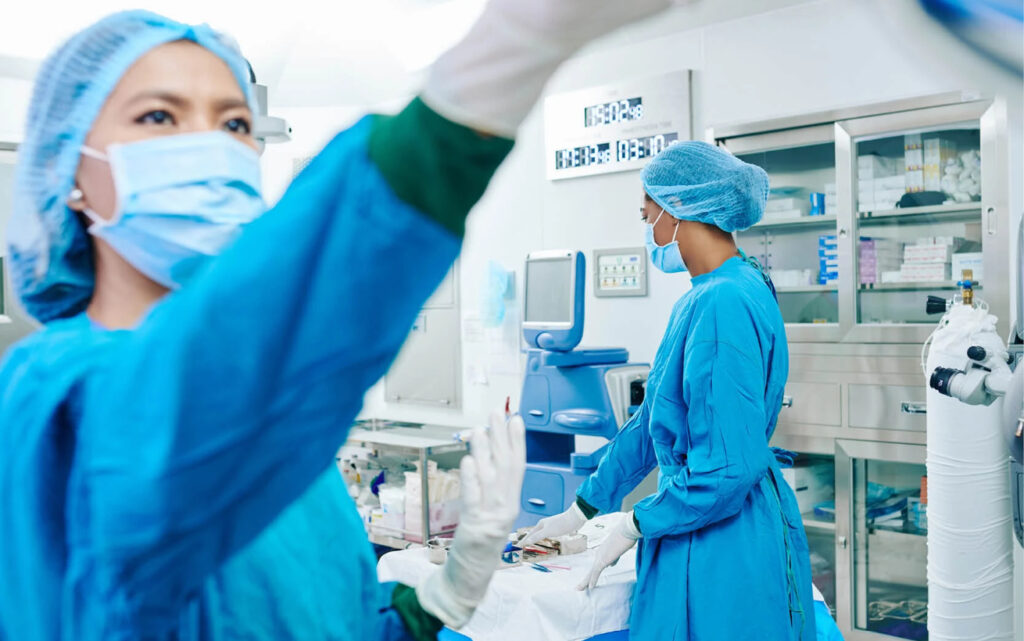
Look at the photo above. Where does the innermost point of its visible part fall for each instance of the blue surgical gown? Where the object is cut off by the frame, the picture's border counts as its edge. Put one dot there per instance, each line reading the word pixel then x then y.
pixel 176 481
pixel 724 555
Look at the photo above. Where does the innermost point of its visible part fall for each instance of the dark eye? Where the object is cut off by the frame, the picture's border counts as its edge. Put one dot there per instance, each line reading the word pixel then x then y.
pixel 238 126
pixel 156 117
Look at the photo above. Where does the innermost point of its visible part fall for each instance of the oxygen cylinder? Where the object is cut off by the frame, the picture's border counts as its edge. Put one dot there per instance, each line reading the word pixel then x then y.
pixel 970 549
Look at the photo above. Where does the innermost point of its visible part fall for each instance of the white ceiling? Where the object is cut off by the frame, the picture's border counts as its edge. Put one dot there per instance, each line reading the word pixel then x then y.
pixel 316 53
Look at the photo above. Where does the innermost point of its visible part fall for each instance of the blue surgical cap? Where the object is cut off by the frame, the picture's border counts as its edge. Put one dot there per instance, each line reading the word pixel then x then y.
pixel 50 258
pixel 693 180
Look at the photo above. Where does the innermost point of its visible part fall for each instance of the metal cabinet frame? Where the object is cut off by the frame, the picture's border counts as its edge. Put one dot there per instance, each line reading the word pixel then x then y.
pixel 843 127
pixel 993 206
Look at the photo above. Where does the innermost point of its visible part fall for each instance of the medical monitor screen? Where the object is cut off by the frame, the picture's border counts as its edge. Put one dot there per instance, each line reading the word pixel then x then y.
pixel 549 290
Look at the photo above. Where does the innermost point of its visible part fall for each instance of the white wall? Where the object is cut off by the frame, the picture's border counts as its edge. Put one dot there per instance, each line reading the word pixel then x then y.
pixel 14 98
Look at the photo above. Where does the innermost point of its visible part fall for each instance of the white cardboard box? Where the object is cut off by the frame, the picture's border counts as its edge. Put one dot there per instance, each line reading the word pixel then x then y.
pixel 968 260
pixel 812 484
pixel 927 254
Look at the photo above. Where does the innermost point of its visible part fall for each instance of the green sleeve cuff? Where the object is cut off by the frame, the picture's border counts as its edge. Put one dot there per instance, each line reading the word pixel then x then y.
pixel 588 510
pixel 422 625
pixel 439 167
pixel 636 521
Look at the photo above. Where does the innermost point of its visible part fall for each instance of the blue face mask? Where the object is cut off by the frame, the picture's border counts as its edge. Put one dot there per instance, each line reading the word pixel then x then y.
pixel 666 258
pixel 181 200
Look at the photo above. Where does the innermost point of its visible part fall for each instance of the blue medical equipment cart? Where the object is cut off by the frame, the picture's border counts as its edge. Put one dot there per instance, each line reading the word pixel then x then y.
pixel 567 392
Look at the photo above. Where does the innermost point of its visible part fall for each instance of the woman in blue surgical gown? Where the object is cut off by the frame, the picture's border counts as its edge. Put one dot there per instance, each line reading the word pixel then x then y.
pixel 167 437
pixel 722 552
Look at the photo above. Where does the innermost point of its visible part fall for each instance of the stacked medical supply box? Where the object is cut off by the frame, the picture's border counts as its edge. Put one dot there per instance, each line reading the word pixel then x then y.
pixel 787 207
pixel 968 260
pixel 880 182
pixel 831 199
pixel 828 260
pixel 937 152
pixel 877 256
pixel 913 162
pixel 933 259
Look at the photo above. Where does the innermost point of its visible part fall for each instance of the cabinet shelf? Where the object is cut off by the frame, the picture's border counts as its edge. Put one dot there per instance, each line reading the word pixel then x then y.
pixel 805 222
pixel 803 289
pixel 896 287
pixel 956 211
pixel 894 534
pixel 812 522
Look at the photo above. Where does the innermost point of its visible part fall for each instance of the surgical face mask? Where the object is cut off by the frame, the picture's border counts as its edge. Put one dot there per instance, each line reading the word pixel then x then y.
pixel 181 200
pixel 666 257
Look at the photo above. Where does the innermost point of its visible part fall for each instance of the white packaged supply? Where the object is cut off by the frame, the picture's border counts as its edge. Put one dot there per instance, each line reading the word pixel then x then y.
pixel 914 179
pixel 785 214
pixel 812 484
pixel 791 277
pixel 927 253
pixel 968 260
pixel 913 159
pixel 783 204
pixel 925 272
pixel 899 181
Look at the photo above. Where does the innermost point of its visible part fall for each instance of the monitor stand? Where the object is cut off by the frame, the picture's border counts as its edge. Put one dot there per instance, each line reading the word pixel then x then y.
pixel 582 392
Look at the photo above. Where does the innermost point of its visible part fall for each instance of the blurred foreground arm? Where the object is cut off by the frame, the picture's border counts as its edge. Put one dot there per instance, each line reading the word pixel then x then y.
pixel 491 79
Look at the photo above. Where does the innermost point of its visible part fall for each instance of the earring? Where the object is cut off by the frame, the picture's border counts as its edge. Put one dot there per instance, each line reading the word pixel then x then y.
pixel 76 194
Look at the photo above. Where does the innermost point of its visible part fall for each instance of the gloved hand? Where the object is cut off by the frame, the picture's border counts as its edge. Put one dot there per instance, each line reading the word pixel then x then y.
pixel 492 480
pixel 558 525
pixel 491 79
pixel 624 536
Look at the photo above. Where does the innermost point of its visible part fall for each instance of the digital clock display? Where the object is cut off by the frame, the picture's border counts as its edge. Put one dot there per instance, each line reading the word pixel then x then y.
pixel 626 150
pixel 607 113
pixel 586 156
pixel 622 127
pixel 643 147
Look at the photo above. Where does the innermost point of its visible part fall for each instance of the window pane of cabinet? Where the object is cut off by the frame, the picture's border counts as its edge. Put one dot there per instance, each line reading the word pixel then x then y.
pixel 918 213
pixel 812 479
pixel 796 241
pixel 890 590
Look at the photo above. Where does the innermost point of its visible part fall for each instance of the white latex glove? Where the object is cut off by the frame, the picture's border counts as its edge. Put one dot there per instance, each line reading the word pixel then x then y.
pixel 622 538
pixel 491 79
pixel 558 525
pixel 492 480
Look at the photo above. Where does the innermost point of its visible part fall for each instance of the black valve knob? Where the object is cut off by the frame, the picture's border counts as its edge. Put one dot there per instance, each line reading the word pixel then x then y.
pixel 936 305
pixel 977 353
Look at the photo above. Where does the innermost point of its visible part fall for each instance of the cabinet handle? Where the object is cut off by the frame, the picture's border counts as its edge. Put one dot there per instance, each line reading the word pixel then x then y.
pixel 537 502
pixel 841 540
pixel 908 407
pixel 990 225
pixel 536 413
pixel 787 401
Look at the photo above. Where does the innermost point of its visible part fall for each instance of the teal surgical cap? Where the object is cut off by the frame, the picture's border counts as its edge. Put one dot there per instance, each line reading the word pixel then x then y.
pixel 50 258
pixel 693 180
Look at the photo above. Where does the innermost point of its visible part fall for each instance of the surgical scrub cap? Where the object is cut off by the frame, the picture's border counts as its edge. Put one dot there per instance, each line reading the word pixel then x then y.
pixel 693 180
pixel 50 259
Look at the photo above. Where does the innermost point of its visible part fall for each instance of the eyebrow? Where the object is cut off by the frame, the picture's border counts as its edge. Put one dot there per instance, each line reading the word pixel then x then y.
pixel 179 101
